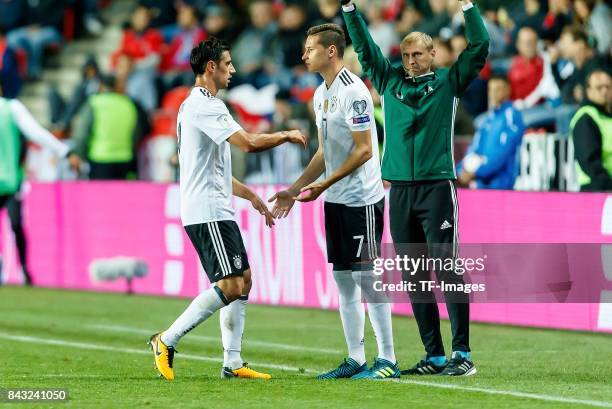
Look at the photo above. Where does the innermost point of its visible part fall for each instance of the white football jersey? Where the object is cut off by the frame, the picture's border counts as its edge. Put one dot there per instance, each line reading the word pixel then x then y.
pixel 343 108
pixel 203 126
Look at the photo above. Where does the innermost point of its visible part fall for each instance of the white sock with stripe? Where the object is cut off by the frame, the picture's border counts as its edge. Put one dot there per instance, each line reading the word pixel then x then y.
pixel 352 314
pixel 379 313
pixel 202 307
pixel 231 319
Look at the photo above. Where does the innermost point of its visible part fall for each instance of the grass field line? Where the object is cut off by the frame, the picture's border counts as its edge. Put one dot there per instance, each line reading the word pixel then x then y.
pixel 537 396
pixel 99 347
pixel 249 341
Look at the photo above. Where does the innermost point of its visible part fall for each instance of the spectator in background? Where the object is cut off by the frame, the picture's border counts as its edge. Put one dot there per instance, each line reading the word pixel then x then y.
pixel 329 12
pixel 444 58
pixel 140 41
pixel 162 15
pixel 11 14
pixel 43 18
pixel 558 16
pixel 438 20
pixel 530 15
pixel 491 161
pixel 218 23
pixel 533 87
pixel 499 39
pixel 63 112
pixel 292 24
pixel 383 33
pixel 584 58
pixel 592 135
pixel 410 18
pixel 251 52
pixel 92 23
pixel 142 44
pixel 474 99
pixel 527 68
pixel 175 67
pixel 595 17
pixel 10 80
pixel 108 132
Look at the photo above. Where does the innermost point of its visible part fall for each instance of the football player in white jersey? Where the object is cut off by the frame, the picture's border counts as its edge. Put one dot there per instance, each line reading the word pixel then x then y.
pixel 205 130
pixel 354 202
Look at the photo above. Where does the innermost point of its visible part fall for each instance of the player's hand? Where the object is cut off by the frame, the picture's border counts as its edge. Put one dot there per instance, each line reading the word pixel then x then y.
pixel 283 202
pixel 261 207
pixel 296 137
pixel 314 190
pixel 465 178
pixel 75 162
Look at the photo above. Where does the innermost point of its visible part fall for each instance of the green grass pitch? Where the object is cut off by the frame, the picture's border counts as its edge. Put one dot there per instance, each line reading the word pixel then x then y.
pixel 93 344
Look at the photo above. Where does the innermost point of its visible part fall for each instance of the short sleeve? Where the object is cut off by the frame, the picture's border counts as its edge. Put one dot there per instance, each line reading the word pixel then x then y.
pixel 358 109
pixel 215 121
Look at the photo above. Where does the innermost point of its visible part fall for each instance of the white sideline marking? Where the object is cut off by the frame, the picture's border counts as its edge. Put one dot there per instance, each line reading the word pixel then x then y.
pixel 249 342
pixel 509 393
pixel 82 345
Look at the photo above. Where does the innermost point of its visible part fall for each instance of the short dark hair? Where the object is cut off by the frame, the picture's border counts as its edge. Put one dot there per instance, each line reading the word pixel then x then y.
pixel 578 34
pixel 209 50
pixel 329 34
pixel 597 70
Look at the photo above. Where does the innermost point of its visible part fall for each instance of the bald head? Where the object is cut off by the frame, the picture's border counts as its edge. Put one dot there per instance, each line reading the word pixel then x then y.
pixel 527 42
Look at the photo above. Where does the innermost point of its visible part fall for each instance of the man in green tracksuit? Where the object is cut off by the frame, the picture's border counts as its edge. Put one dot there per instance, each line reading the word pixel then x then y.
pixel 419 106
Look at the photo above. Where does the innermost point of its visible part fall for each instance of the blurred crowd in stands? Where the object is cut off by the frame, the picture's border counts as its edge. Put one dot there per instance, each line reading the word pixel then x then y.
pixel 541 55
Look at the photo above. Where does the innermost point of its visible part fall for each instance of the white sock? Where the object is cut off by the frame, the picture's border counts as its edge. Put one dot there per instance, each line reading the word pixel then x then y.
pixel 231 318
pixel 352 314
pixel 202 307
pixel 379 313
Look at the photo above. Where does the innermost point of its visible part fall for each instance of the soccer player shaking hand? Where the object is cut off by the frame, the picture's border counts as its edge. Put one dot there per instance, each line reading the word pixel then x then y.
pixel 354 202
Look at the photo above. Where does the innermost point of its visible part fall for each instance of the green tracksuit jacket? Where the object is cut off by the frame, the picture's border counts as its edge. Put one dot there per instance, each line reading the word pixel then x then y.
pixel 419 111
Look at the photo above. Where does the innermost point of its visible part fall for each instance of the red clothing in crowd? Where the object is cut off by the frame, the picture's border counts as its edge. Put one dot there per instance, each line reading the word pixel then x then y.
pixel 524 76
pixel 139 45
pixel 176 56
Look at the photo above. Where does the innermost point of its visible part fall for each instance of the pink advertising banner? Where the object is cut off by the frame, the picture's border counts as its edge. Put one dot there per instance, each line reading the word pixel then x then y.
pixel 73 226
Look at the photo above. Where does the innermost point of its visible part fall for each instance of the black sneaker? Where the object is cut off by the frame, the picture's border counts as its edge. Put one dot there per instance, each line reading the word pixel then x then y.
pixel 459 366
pixel 424 367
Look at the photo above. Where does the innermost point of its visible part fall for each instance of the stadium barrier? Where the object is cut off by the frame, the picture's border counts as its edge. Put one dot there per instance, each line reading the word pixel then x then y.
pixel 73 225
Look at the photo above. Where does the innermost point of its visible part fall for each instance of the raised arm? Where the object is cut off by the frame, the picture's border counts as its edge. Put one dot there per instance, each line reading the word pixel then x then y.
pixel 374 64
pixel 473 58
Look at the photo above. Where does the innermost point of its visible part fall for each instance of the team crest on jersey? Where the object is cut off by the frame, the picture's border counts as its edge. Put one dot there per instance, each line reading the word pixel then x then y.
pixel 333 104
pixel 237 261
pixel 428 90
pixel 224 121
pixel 359 106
